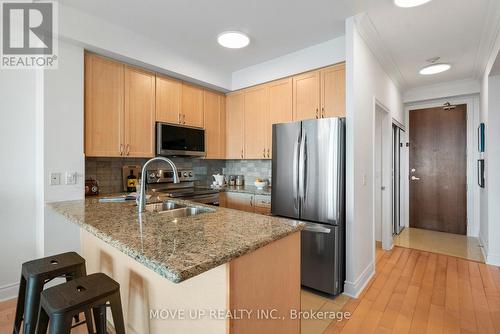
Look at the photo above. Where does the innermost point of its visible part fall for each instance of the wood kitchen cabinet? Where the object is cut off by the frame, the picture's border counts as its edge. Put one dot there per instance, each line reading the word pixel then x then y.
pixel 119 109
pixel 306 96
pixel 215 125
pixel 192 106
pixel 168 100
pixel 280 108
pixel 139 113
pixel 104 106
pixel 333 91
pixel 246 202
pixel 235 120
pixel 320 93
pixel 256 122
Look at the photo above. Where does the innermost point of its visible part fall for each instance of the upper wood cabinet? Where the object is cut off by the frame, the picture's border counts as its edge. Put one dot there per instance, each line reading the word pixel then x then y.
pixel 168 100
pixel 104 105
pixel 192 106
pixel 139 112
pixel 256 122
pixel 235 118
pixel 119 109
pixel 333 91
pixel 306 96
pixel 280 108
pixel 215 125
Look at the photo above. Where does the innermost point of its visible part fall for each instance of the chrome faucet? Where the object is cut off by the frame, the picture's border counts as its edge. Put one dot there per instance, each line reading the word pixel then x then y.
pixel 141 200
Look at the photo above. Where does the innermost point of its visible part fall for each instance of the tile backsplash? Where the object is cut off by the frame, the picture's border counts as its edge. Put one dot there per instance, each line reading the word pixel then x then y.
pixel 250 169
pixel 108 171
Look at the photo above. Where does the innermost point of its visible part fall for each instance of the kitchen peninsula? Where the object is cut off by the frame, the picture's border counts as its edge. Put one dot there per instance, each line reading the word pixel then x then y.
pixel 195 273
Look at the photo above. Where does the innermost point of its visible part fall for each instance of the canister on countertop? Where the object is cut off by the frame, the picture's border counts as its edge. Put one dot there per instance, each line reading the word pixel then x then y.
pixel 240 180
pixel 232 180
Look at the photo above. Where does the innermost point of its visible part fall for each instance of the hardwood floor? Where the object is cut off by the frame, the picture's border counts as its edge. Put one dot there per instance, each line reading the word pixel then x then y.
pixel 440 242
pixel 414 291
pixel 7 314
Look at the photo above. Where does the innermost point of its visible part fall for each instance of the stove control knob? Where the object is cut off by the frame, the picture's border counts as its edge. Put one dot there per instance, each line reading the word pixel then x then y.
pixel 190 174
pixel 185 174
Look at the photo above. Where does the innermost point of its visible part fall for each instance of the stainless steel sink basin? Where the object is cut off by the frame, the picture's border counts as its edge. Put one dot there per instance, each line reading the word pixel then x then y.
pixel 176 210
pixel 163 206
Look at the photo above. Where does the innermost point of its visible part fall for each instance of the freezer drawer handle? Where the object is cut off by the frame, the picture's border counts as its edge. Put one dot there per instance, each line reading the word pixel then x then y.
pixel 317 229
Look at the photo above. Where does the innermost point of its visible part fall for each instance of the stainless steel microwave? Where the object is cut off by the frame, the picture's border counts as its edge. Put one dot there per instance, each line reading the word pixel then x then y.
pixel 175 140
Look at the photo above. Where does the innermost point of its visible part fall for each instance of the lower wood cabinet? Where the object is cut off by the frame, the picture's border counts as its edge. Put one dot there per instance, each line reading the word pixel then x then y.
pixel 246 202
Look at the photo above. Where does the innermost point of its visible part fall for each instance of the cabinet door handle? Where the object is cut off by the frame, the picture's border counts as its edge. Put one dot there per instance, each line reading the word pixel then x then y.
pixel 180 117
pixel 268 153
pixel 264 153
pixel 242 154
pixel 121 149
pixel 183 118
pixel 322 112
pixel 317 113
pixel 128 149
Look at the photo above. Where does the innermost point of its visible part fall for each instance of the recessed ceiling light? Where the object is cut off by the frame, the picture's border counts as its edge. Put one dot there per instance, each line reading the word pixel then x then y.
pixel 435 69
pixel 409 3
pixel 233 39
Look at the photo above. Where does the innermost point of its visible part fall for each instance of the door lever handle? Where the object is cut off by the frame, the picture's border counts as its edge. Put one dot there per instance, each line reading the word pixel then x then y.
pixel 414 178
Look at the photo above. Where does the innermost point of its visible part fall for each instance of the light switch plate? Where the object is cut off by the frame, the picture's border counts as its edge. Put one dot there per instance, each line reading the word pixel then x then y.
pixel 55 179
pixel 70 177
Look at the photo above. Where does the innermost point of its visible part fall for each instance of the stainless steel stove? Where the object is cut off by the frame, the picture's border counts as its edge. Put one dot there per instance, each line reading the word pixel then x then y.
pixel 162 181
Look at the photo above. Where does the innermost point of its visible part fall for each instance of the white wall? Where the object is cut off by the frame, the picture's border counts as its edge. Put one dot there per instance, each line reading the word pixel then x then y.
pixel 17 198
pixel 483 192
pixel 62 145
pixel 366 82
pixel 108 39
pixel 493 164
pixel 319 55
pixel 444 89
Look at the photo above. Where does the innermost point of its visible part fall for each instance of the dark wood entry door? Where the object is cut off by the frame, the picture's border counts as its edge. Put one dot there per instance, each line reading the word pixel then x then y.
pixel 438 169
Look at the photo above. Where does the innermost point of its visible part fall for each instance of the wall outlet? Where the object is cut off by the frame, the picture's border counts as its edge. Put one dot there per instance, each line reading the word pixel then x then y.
pixel 70 177
pixel 55 179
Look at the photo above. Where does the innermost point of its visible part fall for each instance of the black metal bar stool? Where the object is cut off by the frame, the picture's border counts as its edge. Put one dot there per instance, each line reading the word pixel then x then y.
pixel 61 303
pixel 35 274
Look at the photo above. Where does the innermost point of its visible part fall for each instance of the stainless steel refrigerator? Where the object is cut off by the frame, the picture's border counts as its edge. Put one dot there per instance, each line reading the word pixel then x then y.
pixel 308 184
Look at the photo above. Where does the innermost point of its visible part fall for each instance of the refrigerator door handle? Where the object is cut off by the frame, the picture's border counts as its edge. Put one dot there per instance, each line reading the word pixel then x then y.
pixel 301 168
pixel 317 229
pixel 295 171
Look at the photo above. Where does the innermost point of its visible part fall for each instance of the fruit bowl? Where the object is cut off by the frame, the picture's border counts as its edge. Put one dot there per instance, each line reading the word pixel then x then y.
pixel 260 184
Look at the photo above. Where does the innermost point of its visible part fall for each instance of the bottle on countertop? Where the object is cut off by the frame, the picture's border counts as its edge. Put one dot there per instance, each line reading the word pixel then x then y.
pixel 131 182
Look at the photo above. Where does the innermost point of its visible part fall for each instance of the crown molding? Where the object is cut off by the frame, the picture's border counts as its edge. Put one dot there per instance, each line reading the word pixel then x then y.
pixel 489 40
pixel 372 38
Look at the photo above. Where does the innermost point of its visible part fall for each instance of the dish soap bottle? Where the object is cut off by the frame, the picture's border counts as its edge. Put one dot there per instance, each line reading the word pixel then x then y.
pixel 131 182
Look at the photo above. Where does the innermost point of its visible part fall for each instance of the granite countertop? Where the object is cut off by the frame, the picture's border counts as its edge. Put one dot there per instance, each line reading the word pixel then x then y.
pixel 180 248
pixel 248 189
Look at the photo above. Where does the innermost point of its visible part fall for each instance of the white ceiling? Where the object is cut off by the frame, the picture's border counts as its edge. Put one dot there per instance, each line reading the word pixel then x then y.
pixel 450 29
pixel 276 27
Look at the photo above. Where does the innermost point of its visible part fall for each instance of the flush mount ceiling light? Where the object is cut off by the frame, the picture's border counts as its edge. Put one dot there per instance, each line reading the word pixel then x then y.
pixel 409 3
pixel 435 69
pixel 233 39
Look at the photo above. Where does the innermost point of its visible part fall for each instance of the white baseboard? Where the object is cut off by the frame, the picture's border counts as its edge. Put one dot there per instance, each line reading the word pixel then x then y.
pixel 354 289
pixel 8 291
pixel 493 259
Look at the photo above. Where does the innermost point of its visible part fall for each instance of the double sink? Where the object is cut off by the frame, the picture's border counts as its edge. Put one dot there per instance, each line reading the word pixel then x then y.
pixel 176 210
